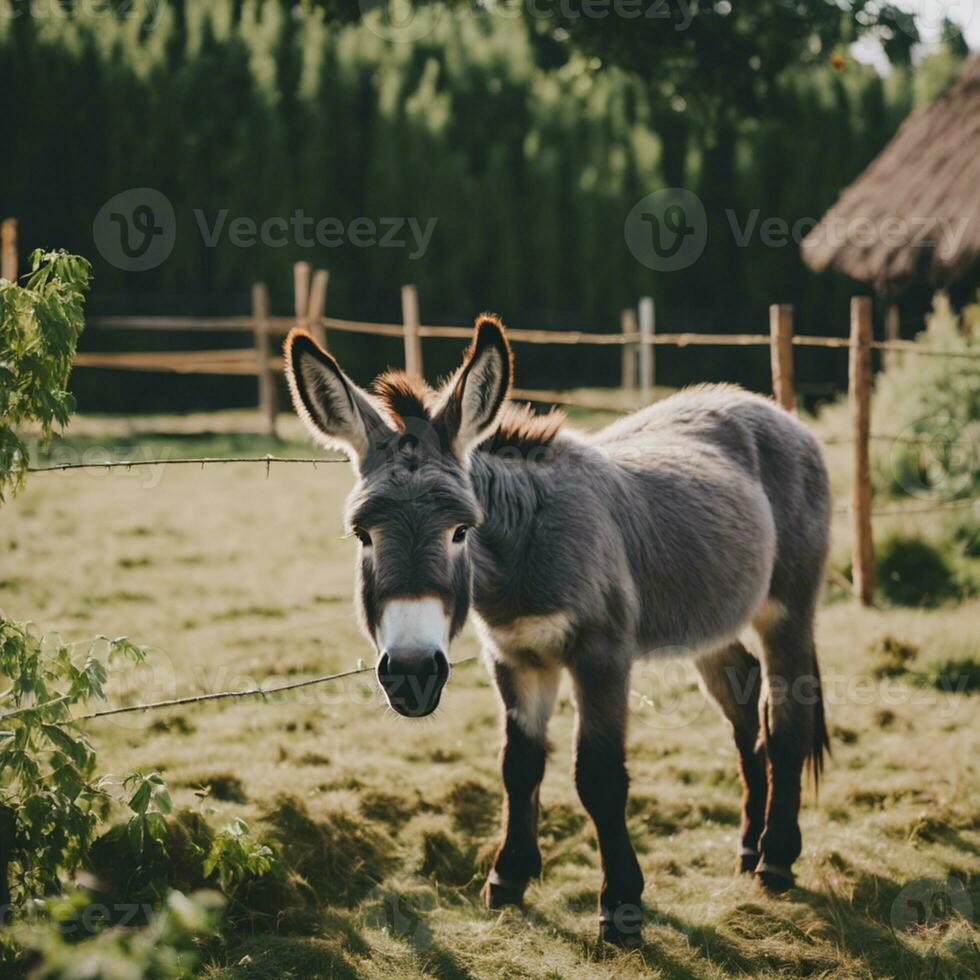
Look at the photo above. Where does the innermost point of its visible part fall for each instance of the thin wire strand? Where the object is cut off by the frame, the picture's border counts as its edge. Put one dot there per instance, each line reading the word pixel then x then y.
pixel 184 461
pixel 949 505
pixel 316 461
pixel 263 692
pixel 928 508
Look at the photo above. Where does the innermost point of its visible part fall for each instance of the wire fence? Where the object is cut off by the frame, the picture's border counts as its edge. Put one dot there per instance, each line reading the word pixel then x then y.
pixel 250 692
pixel 268 460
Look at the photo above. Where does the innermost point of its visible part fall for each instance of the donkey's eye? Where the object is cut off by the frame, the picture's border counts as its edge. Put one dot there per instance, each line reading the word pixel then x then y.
pixel 459 535
pixel 362 536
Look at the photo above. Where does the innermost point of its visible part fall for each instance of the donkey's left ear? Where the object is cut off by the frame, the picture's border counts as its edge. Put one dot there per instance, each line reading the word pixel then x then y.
pixel 475 396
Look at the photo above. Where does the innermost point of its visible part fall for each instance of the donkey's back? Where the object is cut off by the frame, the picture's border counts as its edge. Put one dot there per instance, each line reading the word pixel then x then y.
pixel 727 508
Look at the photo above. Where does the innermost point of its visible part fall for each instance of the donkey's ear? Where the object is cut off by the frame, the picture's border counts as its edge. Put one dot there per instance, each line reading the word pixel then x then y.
pixel 337 413
pixel 475 395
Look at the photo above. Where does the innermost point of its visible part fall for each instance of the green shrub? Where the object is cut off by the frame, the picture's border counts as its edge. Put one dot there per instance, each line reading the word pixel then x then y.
pixel 893 656
pixel 39 327
pixel 52 796
pixel 166 947
pixel 340 857
pixel 956 676
pixel 935 400
pixel 913 572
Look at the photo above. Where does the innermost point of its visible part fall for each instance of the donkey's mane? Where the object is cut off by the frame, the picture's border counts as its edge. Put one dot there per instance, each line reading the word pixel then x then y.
pixel 519 427
pixel 523 429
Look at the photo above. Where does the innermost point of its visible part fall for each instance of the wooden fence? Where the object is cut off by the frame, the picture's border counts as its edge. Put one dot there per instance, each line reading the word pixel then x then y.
pixel 637 339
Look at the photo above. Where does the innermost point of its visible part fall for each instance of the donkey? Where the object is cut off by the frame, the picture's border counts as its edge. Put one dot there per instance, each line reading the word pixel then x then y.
pixel 682 525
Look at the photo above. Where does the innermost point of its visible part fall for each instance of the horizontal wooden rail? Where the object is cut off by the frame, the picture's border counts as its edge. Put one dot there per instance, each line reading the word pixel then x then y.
pixel 282 325
pixel 173 362
pixel 170 322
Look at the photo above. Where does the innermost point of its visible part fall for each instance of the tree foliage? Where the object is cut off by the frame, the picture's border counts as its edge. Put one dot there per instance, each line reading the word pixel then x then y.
pixel 528 143
pixel 40 323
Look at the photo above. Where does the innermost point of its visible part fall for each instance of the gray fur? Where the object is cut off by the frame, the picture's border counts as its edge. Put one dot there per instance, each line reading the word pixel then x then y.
pixel 664 531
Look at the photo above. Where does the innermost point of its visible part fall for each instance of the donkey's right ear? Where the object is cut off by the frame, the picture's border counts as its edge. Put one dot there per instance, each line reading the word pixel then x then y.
pixel 338 414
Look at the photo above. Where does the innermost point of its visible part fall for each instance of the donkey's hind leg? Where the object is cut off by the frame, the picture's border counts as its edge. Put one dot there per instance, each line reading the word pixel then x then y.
pixel 794 731
pixel 733 677
pixel 528 695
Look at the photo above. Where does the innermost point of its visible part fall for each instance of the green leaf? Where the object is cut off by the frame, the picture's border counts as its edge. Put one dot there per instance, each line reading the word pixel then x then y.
pixel 134 833
pixel 74 748
pixel 140 800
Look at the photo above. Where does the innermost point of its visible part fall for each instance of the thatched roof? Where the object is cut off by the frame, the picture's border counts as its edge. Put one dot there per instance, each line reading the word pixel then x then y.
pixel 915 211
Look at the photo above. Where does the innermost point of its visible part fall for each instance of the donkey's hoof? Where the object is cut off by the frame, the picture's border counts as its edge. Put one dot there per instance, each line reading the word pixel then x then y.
pixel 775 879
pixel 748 861
pixel 622 926
pixel 499 892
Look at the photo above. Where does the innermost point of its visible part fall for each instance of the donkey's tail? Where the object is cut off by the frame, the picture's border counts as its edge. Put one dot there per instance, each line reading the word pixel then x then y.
pixel 820 744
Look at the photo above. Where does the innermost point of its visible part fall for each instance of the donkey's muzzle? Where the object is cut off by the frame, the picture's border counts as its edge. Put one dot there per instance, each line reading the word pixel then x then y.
pixel 413 680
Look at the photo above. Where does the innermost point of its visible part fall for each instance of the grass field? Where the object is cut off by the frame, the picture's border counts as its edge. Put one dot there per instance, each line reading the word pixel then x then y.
pixel 235 577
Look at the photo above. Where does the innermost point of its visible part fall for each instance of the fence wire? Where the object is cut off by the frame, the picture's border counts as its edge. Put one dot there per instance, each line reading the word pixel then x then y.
pixel 250 692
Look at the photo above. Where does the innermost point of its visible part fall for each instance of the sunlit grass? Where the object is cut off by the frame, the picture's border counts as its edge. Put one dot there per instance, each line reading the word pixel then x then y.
pixel 234 577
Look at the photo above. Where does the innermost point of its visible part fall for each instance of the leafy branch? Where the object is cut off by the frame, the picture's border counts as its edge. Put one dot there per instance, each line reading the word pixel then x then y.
pixel 40 323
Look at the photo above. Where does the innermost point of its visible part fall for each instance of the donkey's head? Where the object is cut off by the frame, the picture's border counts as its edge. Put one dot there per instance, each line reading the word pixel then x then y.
pixel 413 503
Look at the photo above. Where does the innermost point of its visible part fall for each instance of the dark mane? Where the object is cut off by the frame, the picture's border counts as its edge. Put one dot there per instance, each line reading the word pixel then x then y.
pixel 521 428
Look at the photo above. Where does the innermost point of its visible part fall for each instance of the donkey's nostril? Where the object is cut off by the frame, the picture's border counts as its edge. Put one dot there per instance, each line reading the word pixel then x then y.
pixel 442 666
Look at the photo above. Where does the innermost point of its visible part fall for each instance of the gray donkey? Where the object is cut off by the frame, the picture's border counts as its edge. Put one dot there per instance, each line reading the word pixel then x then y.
pixel 683 525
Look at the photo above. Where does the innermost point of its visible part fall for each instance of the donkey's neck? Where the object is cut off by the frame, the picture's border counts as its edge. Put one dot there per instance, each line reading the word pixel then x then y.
pixel 511 494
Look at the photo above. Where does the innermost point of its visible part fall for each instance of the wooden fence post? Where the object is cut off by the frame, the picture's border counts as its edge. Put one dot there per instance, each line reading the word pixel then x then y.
pixel 267 380
pixel 781 353
pixel 413 342
pixel 892 331
pixel 647 363
pixel 301 291
pixel 8 249
pixel 316 306
pixel 859 394
pixel 627 325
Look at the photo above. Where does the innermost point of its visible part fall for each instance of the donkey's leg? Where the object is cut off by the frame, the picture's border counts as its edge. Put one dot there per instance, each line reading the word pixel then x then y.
pixel 791 709
pixel 601 692
pixel 528 694
pixel 732 676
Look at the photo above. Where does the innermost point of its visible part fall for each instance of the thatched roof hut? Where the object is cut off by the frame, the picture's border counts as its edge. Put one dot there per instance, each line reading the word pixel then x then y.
pixel 914 214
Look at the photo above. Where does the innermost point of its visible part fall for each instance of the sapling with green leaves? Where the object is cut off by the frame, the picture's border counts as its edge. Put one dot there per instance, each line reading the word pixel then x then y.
pixel 53 799
pixel 40 322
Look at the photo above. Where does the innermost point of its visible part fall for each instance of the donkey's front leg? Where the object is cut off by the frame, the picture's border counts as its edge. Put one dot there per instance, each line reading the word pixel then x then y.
pixel 528 694
pixel 601 691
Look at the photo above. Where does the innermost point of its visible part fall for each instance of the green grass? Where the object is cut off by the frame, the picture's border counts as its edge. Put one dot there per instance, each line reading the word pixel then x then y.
pixel 235 577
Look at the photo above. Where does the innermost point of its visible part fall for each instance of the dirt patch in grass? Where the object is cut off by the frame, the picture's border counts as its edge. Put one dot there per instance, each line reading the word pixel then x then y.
pixel 223 786
pixel 474 808
pixel 340 856
pixel 387 808
pixel 955 676
pixel 445 859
